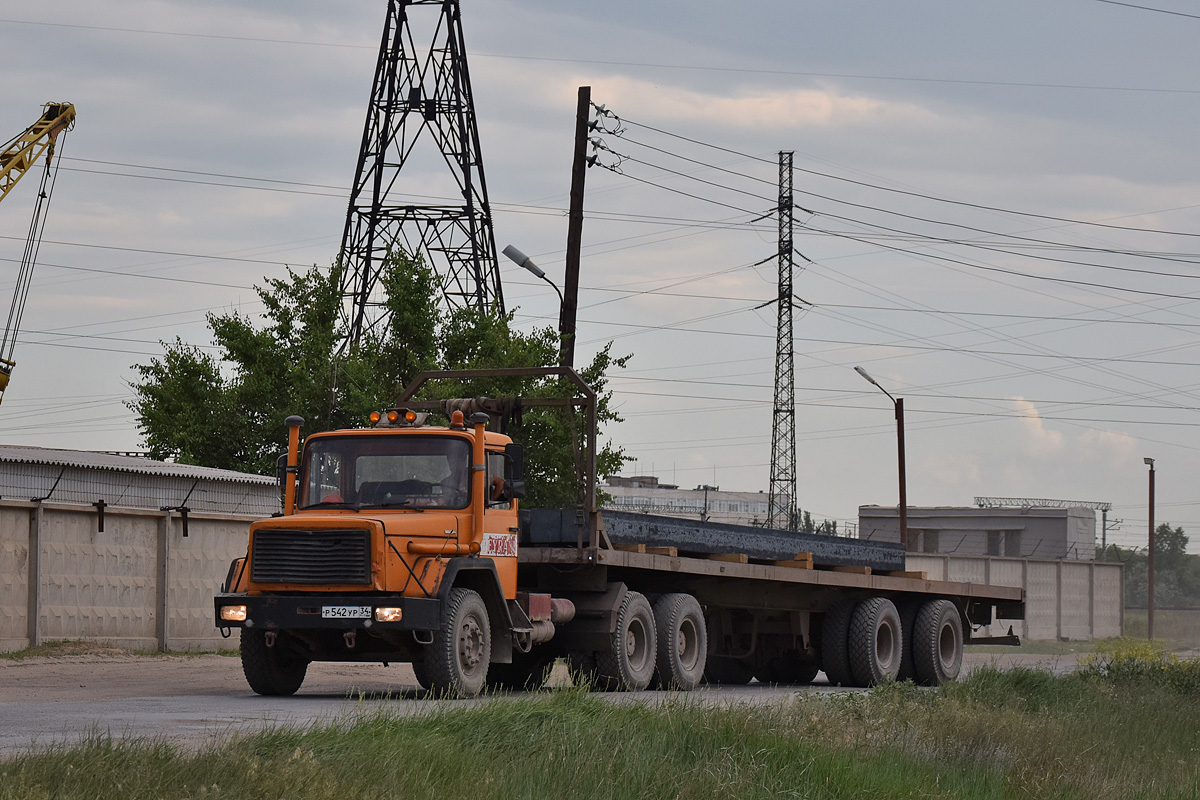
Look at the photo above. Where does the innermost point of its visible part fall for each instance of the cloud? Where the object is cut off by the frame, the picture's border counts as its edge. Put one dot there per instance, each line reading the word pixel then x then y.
pixel 1041 440
pixel 1111 446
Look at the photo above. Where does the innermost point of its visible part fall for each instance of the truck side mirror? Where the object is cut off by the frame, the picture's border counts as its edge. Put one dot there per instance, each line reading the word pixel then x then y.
pixel 281 472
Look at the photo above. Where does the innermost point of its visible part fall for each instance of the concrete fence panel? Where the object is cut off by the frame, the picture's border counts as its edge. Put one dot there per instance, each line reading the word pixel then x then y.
pixel 14 578
pixel 138 583
pixel 1063 599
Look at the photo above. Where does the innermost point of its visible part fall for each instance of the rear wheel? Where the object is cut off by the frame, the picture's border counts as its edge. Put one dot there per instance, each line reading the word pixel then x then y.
pixel 835 635
pixel 682 641
pixel 628 663
pixel 274 671
pixel 456 663
pixel 875 642
pixel 937 643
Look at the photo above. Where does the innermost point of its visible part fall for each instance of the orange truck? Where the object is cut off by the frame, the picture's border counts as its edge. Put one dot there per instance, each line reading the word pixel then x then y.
pixel 405 542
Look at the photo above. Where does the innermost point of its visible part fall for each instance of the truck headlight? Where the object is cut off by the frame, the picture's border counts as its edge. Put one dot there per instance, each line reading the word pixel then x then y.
pixel 388 614
pixel 233 613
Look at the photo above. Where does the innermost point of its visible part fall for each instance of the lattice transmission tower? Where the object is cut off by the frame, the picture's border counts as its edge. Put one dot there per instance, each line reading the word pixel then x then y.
pixel 782 499
pixel 421 116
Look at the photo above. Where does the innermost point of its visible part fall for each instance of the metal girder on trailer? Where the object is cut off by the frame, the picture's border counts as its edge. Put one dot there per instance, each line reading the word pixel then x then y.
pixel 623 527
pixel 1013 596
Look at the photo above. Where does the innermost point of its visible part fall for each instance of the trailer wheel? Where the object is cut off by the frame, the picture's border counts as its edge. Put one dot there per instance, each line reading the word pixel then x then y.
pixel 527 672
pixel 835 636
pixel 272 671
pixel 627 665
pixel 456 663
pixel 937 643
pixel 875 642
pixel 682 641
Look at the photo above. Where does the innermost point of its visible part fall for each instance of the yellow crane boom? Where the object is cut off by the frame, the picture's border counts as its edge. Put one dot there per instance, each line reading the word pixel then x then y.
pixel 23 152
pixel 17 157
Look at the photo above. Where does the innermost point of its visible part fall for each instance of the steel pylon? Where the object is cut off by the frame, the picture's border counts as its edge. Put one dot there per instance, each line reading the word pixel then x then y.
pixel 782 499
pixel 421 107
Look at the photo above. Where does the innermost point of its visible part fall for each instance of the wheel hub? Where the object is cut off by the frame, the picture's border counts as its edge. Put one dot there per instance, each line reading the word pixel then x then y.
pixel 470 644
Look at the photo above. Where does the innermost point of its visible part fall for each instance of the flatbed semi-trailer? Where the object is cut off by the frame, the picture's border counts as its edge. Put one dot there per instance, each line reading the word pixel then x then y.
pixel 405 542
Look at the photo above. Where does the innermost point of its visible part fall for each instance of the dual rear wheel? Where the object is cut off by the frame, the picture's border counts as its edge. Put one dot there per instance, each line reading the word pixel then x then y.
pixel 871 641
pixel 663 644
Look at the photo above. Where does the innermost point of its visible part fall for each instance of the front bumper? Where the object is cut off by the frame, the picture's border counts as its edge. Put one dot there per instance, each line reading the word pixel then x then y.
pixel 303 611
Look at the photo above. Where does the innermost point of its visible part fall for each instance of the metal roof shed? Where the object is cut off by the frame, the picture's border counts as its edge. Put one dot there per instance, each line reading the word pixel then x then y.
pixel 80 476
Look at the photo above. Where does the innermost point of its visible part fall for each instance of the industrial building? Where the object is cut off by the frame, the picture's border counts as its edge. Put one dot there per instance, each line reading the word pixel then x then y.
pixel 1042 533
pixel 644 494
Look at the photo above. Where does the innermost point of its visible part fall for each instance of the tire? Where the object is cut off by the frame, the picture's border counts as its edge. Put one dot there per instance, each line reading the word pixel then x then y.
pixel 908 616
pixel 527 672
pixel 627 665
pixel 273 671
pixel 937 643
pixel 456 663
pixel 719 670
pixel 876 642
pixel 835 634
pixel 682 642
pixel 418 668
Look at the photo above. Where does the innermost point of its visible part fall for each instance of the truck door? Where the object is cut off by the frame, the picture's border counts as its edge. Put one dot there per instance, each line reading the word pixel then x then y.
pixel 500 526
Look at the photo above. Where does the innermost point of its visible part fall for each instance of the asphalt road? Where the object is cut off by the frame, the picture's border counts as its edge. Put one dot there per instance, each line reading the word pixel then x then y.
pixel 201 700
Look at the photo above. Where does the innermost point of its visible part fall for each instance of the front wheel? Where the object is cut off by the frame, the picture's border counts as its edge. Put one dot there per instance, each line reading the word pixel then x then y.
pixel 273 671
pixel 456 662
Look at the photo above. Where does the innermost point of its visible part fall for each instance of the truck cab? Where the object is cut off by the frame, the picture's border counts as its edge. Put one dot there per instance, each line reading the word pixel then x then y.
pixel 397 542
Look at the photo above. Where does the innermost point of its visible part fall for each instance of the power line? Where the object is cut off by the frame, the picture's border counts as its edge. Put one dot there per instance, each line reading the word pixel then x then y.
pixel 910 193
pixel 1148 8
pixel 640 64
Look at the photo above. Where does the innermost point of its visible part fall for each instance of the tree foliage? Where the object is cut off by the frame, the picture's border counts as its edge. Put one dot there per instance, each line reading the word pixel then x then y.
pixel 226 408
pixel 1176 574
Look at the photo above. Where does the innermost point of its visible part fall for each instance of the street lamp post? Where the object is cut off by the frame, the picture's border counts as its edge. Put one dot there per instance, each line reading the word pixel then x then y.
pixel 899 403
pixel 525 262
pixel 1150 559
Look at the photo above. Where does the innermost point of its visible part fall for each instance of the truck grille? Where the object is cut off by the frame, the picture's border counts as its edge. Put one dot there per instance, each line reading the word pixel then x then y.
pixel 311 557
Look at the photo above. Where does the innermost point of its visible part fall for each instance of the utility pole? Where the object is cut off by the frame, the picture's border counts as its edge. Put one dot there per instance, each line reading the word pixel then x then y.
pixel 421 109
pixel 1150 559
pixel 781 507
pixel 570 303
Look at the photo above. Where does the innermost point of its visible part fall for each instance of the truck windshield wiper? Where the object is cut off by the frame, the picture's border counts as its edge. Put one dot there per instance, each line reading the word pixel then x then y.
pixel 332 504
pixel 397 503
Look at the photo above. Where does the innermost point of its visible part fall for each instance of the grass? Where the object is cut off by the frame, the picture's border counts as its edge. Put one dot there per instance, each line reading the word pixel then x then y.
pixel 78 647
pixel 1123 726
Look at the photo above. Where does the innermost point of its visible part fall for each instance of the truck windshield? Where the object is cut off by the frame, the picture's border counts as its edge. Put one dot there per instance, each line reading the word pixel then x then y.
pixel 409 471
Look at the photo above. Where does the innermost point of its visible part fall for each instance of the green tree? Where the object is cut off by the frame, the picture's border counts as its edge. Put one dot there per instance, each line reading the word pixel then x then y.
pixel 227 409
pixel 1176 574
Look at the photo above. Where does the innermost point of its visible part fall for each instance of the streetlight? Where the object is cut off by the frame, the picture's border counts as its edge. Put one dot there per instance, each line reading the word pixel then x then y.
pixel 899 402
pixel 525 262
pixel 1150 562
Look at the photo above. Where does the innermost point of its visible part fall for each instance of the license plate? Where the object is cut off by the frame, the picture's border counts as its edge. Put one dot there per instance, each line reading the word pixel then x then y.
pixel 346 612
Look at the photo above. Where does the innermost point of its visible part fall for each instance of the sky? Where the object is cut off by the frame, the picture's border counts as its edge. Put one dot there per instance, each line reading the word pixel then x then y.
pixel 997 216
